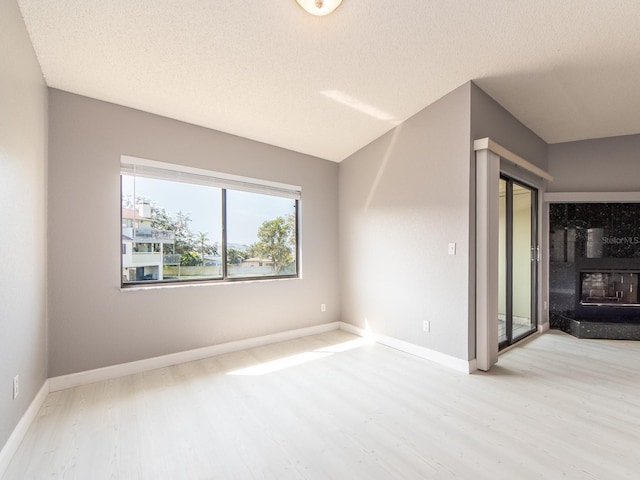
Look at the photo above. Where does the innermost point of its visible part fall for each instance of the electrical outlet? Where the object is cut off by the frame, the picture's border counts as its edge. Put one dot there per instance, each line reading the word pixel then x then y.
pixel 426 326
pixel 452 249
pixel 323 307
pixel 545 305
pixel 16 386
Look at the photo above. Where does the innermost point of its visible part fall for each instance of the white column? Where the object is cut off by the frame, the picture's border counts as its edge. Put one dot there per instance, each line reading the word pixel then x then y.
pixel 487 213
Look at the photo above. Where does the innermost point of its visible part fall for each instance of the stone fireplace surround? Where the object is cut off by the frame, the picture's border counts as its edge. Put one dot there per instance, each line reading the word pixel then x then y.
pixel 594 269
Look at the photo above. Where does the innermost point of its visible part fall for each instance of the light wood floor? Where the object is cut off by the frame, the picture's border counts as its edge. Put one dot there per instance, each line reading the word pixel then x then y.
pixel 555 408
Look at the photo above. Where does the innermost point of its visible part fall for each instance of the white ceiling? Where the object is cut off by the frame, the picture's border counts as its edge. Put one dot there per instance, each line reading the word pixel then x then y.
pixel 327 86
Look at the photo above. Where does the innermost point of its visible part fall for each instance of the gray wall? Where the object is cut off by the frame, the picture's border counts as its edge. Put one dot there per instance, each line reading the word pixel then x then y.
pixel 490 119
pixel 403 198
pixel 600 165
pixel 23 164
pixel 93 322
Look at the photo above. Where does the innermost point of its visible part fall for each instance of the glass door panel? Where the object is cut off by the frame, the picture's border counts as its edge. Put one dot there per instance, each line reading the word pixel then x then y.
pixel 523 258
pixel 502 263
pixel 517 261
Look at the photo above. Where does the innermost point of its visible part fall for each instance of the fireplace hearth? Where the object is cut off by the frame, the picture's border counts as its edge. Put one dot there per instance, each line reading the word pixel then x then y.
pixel 624 328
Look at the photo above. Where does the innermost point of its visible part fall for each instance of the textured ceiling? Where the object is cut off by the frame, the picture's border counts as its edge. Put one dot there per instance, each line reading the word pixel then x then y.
pixel 327 86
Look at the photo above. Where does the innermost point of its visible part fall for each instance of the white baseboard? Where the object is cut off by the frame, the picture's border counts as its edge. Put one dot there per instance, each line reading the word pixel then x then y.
pixel 465 366
pixel 114 371
pixel 472 365
pixel 543 327
pixel 9 449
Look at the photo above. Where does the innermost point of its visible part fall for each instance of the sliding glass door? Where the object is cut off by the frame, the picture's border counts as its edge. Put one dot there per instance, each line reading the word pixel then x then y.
pixel 518 260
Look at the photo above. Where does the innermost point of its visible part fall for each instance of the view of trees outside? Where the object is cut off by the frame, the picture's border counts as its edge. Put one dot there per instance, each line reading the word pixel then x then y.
pixel 191 246
pixel 271 250
pixel 261 232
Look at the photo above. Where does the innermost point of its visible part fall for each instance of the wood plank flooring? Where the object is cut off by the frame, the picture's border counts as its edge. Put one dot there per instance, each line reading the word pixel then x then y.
pixel 554 408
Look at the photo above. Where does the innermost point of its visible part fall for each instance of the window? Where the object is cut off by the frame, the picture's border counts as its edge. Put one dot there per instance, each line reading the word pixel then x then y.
pixel 182 224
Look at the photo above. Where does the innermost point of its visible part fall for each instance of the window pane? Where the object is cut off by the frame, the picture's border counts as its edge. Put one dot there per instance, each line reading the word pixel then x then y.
pixel 170 230
pixel 261 235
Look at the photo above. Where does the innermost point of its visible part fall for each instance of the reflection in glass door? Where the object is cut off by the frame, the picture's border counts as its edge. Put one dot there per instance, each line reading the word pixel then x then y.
pixel 518 258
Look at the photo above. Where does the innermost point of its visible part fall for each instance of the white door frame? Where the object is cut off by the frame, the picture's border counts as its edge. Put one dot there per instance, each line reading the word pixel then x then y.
pixel 488 155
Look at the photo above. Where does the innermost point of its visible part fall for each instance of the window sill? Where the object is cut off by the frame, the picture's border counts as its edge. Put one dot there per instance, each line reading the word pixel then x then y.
pixel 204 283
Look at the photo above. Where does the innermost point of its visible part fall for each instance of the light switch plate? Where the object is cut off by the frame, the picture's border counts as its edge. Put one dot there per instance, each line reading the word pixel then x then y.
pixel 452 249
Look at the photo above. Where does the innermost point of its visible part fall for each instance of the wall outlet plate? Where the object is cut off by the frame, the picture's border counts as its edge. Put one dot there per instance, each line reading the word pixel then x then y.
pixel 16 386
pixel 426 326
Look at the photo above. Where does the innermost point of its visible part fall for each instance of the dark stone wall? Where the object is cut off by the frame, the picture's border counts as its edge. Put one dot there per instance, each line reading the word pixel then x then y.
pixel 593 237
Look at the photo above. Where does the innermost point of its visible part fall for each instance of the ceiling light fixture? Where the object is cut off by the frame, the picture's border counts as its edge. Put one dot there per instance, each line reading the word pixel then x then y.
pixel 319 7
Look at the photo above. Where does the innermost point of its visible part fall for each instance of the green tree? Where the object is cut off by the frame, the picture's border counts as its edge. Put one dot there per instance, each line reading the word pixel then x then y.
pixel 250 252
pixel 204 245
pixel 291 233
pixel 160 219
pixel 189 259
pixel 274 242
pixel 235 256
pixel 185 241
